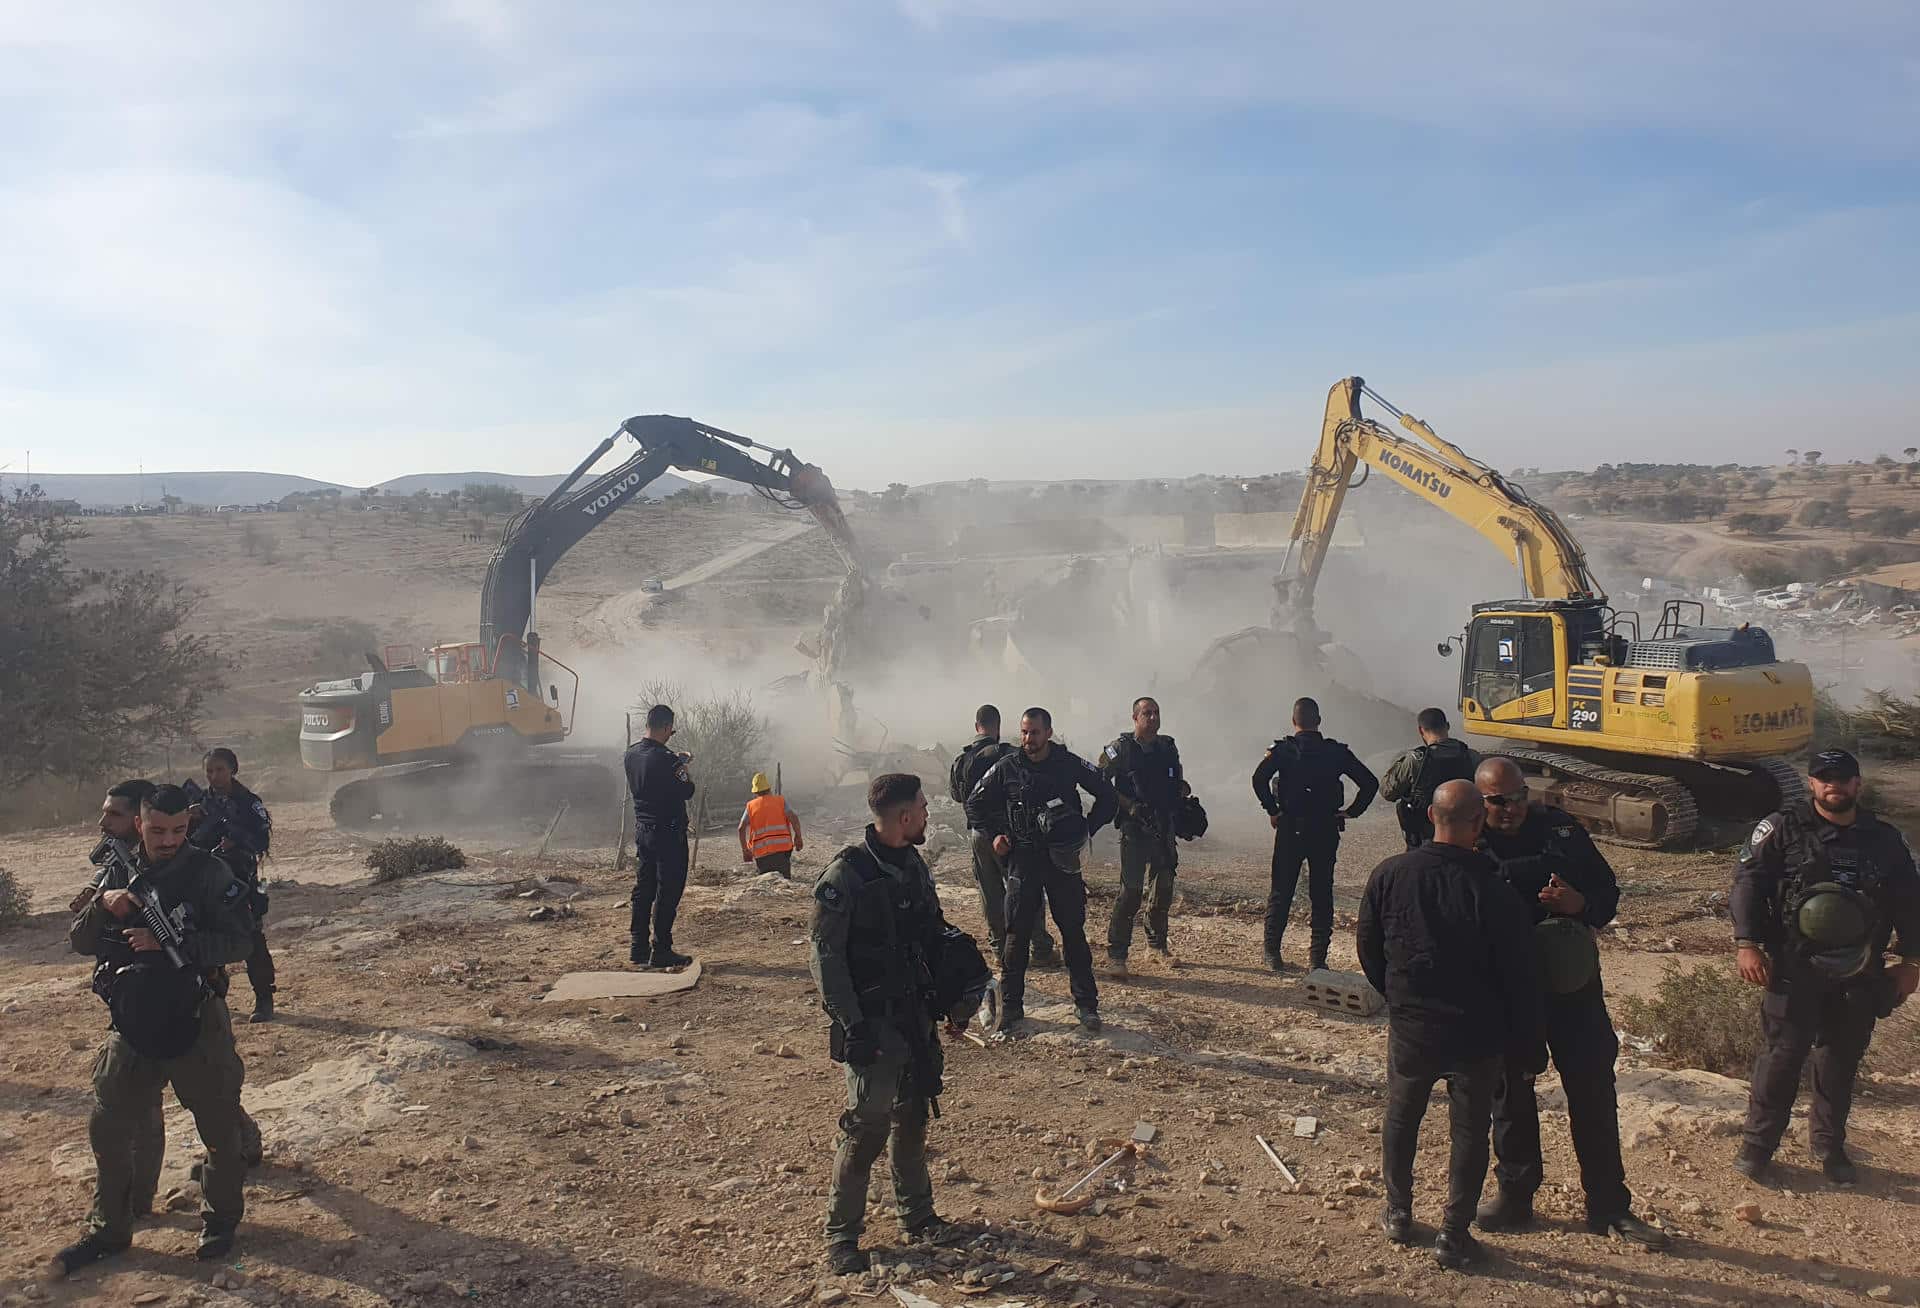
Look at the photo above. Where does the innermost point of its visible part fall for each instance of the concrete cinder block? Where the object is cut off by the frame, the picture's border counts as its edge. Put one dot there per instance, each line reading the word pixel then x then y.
pixel 1343 992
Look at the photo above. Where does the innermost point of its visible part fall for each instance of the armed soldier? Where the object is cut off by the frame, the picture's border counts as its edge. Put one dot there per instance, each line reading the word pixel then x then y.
pixel 1030 803
pixel 658 781
pixel 989 870
pixel 1144 767
pixel 1567 890
pixel 1298 782
pixel 877 945
pixel 1824 889
pixel 162 928
pixel 1409 784
pixel 233 822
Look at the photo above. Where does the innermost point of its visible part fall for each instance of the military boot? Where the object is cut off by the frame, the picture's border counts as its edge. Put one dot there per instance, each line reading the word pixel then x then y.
pixel 84 1252
pixel 262 1006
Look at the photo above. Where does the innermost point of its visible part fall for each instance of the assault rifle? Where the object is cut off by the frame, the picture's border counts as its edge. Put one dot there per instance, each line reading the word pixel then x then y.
pixel 156 920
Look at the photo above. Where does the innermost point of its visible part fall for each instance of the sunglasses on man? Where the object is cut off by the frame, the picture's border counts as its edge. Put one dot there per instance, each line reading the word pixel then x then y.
pixel 1503 799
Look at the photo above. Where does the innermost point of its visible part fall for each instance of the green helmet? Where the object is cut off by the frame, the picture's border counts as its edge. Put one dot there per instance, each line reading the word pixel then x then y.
pixel 1831 916
pixel 1569 958
pixel 1842 963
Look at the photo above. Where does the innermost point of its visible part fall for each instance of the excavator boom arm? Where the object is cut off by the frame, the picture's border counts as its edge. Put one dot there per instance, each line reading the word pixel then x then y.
pixel 538 537
pixel 1550 562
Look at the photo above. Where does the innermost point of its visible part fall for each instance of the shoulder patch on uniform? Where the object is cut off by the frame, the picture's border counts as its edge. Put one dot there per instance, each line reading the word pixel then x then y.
pixel 1761 832
pixel 1112 753
pixel 236 890
pixel 828 893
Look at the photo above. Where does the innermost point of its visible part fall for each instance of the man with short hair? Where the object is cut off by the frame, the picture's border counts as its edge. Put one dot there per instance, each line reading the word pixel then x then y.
pixel 989 870
pixel 1030 803
pixel 1567 891
pixel 658 780
pixel 769 830
pixel 1299 783
pixel 874 940
pixel 1409 784
pixel 1824 891
pixel 1445 941
pixel 1144 767
pixel 207 906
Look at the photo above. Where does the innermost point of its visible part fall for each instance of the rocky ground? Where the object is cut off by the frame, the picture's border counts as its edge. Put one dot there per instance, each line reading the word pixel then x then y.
pixel 436 1131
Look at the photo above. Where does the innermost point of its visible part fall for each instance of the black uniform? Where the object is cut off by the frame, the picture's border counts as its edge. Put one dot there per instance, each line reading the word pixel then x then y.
pixel 1413 778
pixel 657 779
pixel 1037 805
pixel 989 873
pixel 1579 1029
pixel 1803 1012
pixel 238 827
pixel 1444 941
pixel 1299 782
pixel 1149 776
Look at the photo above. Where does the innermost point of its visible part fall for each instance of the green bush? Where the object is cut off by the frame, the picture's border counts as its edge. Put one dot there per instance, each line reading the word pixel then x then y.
pixel 1704 1017
pixel 16 905
pixel 405 856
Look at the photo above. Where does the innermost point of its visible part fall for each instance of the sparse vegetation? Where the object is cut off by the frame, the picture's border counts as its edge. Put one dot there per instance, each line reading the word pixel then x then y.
pixel 1884 723
pixel 344 644
pixel 407 856
pixel 16 905
pixel 727 737
pixel 97 669
pixel 1704 1016
pixel 1757 524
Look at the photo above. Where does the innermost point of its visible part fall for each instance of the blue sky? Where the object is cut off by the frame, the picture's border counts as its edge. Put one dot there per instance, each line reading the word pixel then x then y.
pixel 934 239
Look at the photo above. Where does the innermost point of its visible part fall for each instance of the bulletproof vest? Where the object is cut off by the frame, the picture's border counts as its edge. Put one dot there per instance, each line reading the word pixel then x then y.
pixel 1043 801
pixel 1811 862
pixel 1308 784
pixel 156 1006
pixel 1152 772
pixel 1437 767
pixel 1529 873
pixel 971 763
pixel 891 923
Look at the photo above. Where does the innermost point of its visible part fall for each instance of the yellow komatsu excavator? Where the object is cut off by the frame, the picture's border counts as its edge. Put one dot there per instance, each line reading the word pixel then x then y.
pixel 1636 735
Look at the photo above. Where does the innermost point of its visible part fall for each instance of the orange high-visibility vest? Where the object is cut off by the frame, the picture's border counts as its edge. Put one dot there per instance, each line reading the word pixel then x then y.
pixel 769 828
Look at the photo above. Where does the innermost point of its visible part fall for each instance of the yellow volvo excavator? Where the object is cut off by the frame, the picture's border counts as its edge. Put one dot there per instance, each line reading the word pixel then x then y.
pixel 1636 735
pixel 463 720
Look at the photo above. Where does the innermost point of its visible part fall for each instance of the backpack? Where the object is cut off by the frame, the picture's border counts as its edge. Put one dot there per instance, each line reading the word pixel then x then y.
pixel 959 778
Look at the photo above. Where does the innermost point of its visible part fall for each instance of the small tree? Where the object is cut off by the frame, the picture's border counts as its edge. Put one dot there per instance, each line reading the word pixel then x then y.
pixel 1812 457
pixel 1910 452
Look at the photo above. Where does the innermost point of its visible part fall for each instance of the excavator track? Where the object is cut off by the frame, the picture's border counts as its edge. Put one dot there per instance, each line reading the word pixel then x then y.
pixel 509 798
pixel 1639 809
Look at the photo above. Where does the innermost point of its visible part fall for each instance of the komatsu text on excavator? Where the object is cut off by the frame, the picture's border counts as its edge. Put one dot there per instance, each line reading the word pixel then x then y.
pixel 1634 734
pixel 465 717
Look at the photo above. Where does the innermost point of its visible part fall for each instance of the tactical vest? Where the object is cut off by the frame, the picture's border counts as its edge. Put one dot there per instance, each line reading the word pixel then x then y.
pixel 1160 795
pixel 1568 955
pixel 961 777
pixel 1810 862
pixel 1309 784
pixel 890 923
pixel 1435 771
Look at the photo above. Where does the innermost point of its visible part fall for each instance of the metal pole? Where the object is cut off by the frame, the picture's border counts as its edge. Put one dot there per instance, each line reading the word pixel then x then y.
pixel 626 811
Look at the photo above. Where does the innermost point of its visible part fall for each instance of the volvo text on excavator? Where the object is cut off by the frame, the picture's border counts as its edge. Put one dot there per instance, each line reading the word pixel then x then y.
pixel 464 720
pixel 1636 735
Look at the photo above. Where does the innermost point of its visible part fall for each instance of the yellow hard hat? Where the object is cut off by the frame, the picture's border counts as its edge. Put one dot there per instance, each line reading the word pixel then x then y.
pixel 761 786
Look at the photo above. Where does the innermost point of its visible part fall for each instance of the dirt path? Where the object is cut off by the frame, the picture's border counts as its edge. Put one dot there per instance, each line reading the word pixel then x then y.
pixel 436 1132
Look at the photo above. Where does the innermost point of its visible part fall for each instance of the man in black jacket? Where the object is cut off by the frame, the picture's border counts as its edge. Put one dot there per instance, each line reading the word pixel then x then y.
pixel 1298 782
pixel 989 871
pixel 1147 775
pixel 233 822
pixel 657 778
pixel 1030 803
pixel 1568 891
pixel 1447 943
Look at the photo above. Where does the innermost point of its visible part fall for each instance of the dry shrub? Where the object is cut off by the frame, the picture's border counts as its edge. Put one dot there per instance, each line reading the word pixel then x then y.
pixel 405 856
pixel 16 905
pixel 728 738
pixel 1704 1017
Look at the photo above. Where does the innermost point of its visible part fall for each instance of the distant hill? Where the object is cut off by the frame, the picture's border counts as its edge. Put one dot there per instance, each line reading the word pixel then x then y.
pixel 112 490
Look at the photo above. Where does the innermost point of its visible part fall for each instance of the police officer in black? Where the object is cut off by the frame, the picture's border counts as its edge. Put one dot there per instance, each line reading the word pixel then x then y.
pixel 1030 803
pixel 989 870
pixel 658 781
pixel 1567 890
pixel 233 822
pixel 1298 783
pixel 1145 769
pixel 1409 784
pixel 1823 891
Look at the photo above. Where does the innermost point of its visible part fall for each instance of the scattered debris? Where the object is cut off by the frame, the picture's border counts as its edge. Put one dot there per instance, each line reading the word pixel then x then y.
pixel 1305 1128
pixel 621 985
pixel 1749 1213
pixel 1064 1202
pixel 1285 1171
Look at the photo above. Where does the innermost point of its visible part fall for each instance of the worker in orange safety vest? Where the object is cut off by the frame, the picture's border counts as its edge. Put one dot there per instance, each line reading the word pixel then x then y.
pixel 769 830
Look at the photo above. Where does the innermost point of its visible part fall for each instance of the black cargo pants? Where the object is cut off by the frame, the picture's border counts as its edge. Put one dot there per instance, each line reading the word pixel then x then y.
pixel 1037 877
pixel 660 878
pixel 1317 848
pixel 1581 1038
pixel 990 875
pixel 1801 1016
